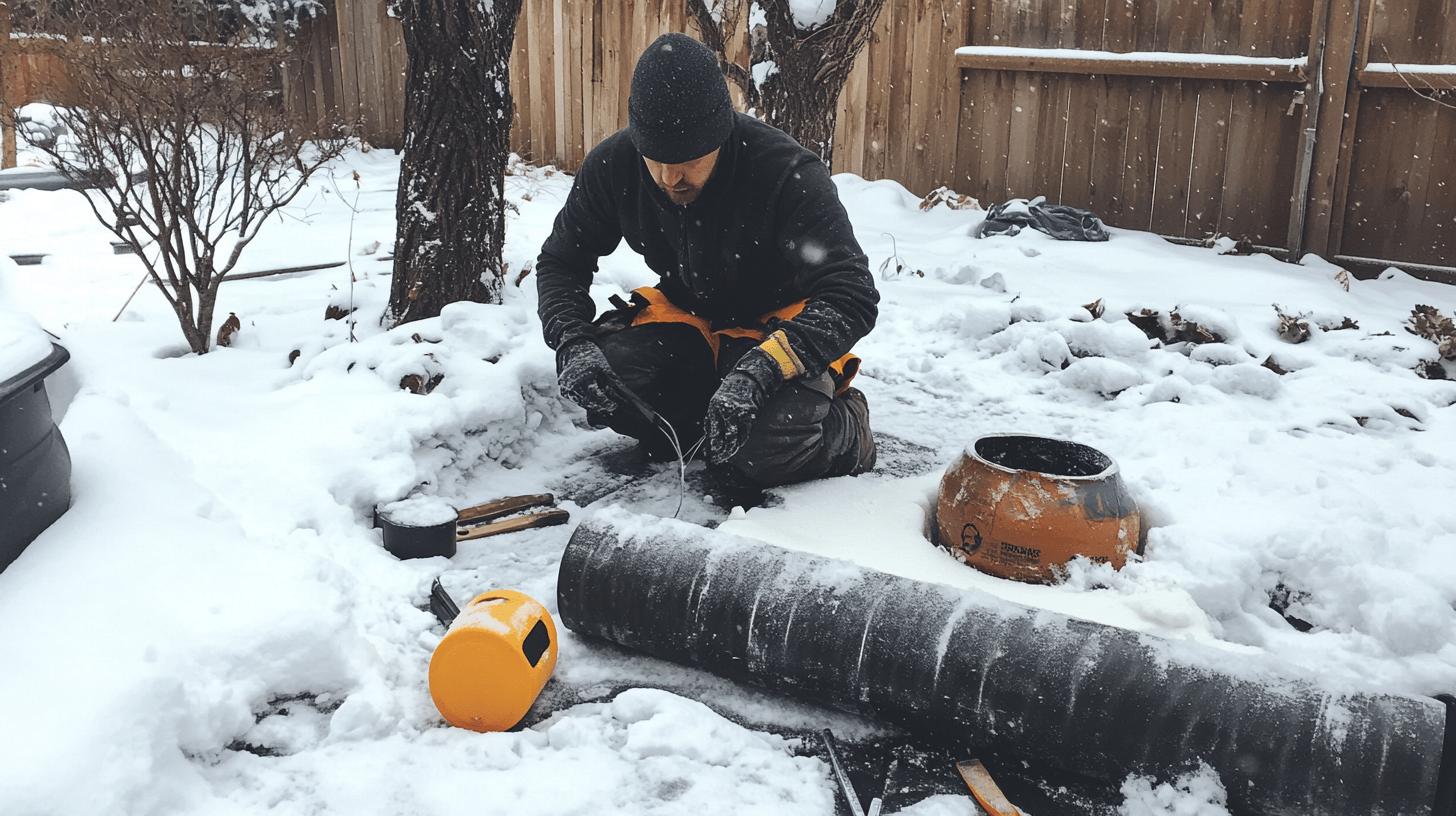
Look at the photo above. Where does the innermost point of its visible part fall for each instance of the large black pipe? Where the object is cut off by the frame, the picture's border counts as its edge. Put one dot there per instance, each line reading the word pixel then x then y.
pixel 1086 698
pixel 35 464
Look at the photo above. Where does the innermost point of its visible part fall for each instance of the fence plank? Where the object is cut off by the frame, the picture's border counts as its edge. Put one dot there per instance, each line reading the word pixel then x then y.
pixel 1210 145
pixel 1139 173
pixel 969 145
pixel 1025 116
pixel 1109 146
pixel 877 110
pixel 924 35
pixel 1140 67
pixel 849 129
pixel 1081 139
pixel 1051 141
pixel 1365 22
pixel 1337 109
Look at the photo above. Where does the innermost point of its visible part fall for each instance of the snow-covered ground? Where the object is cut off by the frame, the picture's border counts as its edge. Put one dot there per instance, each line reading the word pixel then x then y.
pixel 214 627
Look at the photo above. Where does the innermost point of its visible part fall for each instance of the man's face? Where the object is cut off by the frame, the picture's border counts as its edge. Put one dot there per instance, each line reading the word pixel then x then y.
pixel 682 182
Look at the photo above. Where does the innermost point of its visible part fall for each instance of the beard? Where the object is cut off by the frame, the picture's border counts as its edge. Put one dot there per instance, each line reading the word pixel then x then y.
pixel 682 194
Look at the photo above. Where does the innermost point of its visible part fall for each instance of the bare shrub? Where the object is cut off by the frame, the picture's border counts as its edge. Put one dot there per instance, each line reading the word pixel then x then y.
pixel 175 113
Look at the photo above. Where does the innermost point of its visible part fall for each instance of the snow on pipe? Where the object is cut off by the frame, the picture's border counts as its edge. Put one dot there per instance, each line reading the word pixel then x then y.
pixel 1083 697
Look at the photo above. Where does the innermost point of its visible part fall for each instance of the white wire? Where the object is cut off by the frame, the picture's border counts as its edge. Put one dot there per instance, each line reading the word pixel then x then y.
pixel 682 462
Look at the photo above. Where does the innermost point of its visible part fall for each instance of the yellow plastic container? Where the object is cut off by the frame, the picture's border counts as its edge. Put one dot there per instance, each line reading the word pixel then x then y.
pixel 492 664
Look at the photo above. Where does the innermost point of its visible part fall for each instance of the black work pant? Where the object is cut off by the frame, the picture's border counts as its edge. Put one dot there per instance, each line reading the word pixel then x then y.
pixel 803 432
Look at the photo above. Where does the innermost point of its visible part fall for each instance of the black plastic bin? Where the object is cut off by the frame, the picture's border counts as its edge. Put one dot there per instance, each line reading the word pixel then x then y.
pixel 35 465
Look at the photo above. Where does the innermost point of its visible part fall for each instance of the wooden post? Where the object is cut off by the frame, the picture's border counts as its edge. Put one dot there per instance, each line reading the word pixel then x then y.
pixel 7 118
pixel 1309 129
pixel 1334 122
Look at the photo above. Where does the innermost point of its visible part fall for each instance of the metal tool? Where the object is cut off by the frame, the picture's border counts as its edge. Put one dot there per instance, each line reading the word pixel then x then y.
pixel 442 606
pixel 831 748
pixel 661 424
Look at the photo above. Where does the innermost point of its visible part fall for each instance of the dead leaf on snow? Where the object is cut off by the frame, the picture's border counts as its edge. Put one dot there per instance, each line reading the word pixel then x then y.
pixel 417 384
pixel 1189 331
pixel 1431 370
pixel 229 330
pixel 1293 328
pixel 1150 322
pixel 1427 322
pixel 950 198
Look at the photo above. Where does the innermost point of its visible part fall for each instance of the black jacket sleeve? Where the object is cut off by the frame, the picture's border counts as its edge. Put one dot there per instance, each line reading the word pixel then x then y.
pixel 825 263
pixel 585 230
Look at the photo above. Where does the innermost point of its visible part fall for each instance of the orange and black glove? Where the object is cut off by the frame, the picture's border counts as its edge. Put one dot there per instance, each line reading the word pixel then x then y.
pixel 744 391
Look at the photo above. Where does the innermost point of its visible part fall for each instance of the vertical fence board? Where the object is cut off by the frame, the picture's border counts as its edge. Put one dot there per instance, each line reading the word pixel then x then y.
pixel 1139 172
pixel 1025 116
pixel 1083 94
pixel 1210 145
pixel 1051 137
pixel 877 112
pixel 1109 147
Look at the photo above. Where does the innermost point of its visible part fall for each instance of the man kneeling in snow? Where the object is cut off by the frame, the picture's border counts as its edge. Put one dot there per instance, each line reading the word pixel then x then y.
pixel 763 287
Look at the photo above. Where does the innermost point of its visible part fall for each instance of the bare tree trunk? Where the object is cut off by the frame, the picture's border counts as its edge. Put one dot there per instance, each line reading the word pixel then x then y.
pixel 794 101
pixel 450 209
pixel 801 94
pixel 7 116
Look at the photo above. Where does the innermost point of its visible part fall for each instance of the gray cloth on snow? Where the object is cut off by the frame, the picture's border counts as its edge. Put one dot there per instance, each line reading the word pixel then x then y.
pixel 1057 220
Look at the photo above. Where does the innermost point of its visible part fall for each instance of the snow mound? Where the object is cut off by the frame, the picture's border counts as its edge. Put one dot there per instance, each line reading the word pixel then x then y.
pixel 1105 377
pixel 644 752
pixel 22 341
pixel 943 804
pixel 810 14
pixel 1197 793
pixel 472 386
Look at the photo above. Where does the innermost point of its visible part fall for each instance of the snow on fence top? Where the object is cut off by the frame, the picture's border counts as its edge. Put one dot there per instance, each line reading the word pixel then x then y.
pixel 1130 56
pixel 1409 68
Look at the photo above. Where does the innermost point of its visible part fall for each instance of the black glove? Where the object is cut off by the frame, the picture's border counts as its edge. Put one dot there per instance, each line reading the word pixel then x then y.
pixel 736 404
pixel 587 379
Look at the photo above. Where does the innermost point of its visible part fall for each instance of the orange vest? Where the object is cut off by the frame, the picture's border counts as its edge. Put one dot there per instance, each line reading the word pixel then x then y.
pixel 659 309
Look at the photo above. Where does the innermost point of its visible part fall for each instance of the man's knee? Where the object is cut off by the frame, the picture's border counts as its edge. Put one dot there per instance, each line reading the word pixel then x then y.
pixel 667 366
pixel 645 355
pixel 807 434
pixel 785 442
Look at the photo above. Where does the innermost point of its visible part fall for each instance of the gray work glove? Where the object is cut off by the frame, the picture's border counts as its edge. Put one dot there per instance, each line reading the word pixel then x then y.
pixel 735 406
pixel 587 379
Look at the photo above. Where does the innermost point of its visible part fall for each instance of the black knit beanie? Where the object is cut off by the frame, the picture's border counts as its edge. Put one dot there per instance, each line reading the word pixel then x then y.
pixel 679 109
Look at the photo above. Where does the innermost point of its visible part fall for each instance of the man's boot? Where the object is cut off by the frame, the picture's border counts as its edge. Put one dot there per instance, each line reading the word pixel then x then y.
pixel 847 432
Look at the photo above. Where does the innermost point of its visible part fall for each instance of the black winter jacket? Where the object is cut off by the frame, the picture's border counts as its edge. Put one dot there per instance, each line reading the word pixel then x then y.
pixel 767 230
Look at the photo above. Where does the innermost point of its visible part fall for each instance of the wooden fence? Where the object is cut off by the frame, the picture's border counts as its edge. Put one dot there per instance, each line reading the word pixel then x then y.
pixel 1236 142
pixel 1213 124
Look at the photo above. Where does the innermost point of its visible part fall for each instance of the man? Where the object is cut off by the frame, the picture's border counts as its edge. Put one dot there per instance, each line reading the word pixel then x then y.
pixel 745 341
